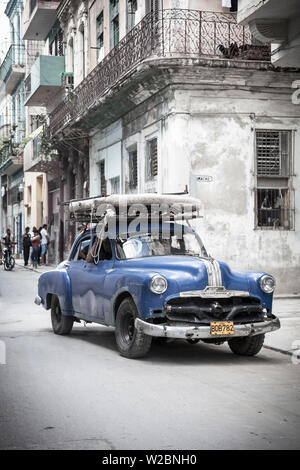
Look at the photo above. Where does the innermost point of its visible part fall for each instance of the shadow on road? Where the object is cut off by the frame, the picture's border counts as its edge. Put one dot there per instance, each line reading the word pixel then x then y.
pixel 179 352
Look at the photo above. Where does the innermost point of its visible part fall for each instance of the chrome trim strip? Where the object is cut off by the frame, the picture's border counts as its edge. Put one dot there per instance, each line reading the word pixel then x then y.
pixel 202 332
pixel 214 276
pixel 215 292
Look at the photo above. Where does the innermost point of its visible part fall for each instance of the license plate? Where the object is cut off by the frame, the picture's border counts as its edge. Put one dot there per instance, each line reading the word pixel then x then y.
pixel 221 328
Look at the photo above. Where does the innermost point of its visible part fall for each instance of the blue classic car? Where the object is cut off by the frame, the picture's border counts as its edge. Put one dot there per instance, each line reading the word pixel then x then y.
pixel 155 279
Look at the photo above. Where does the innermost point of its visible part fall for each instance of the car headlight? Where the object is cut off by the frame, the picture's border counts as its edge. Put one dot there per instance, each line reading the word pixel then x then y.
pixel 267 284
pixel 158 284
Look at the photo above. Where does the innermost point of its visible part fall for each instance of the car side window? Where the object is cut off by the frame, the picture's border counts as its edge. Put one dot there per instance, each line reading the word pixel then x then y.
pixel 105 252
pixel 82 249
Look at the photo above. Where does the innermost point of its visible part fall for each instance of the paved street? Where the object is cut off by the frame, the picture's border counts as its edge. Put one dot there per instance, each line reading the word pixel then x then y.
pixel 76 392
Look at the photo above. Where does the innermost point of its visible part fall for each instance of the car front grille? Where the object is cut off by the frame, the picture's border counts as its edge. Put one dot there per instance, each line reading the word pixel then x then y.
pixel 199 310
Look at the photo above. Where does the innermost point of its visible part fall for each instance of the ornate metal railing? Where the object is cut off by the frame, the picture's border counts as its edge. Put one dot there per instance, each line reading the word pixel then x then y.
pixel 167 33
pixel 15 56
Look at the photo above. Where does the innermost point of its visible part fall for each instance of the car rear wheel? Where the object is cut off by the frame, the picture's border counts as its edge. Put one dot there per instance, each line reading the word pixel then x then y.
pixel 61 324
pixel 131 343
pixel 248 346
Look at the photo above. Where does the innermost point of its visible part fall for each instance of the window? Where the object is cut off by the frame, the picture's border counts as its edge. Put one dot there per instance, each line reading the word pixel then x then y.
pixel 115 185
pixel 131 9
pixel 102 178
pixel 82 249
pixel 82 46
pixel 56 45
pixel 273 201
pixel 151 161
pixel 114 23
pixel 100 37
pixel 133 169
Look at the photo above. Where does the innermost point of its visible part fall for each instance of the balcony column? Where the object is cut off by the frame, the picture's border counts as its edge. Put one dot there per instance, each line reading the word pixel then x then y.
pixel 70 194
pixel 61 208
pixel 79 179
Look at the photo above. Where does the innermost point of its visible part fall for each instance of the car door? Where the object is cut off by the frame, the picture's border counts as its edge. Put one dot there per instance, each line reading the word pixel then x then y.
pixel 92 304
pixel 76 272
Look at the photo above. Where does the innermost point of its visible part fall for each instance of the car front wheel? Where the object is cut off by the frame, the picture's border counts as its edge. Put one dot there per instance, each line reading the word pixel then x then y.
pixel 131 343
pixel 61 324
pixel 248 346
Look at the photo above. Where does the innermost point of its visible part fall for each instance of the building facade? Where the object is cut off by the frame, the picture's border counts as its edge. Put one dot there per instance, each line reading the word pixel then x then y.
pixel 12 71
pixel 179 98
pixel 275 22
pixel 167 96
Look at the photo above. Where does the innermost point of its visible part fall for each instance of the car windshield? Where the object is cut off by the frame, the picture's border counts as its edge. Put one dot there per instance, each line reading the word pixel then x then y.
pixel 146 244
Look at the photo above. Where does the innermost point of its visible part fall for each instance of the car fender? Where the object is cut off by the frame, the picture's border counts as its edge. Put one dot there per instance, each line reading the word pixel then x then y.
pixel 56 282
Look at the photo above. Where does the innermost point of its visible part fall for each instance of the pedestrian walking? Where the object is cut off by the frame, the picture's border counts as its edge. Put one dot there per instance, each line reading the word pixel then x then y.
pixel 40 247
pixel 26 244
pixel 44 243
pixel 35 243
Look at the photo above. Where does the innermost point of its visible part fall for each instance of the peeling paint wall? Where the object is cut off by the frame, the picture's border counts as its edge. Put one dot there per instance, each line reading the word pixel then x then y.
pixel 218 141
pixel 205 122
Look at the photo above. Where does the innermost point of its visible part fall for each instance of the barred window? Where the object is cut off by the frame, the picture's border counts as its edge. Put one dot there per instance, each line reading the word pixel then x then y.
pixel 273 149
pixel 133 169
pixel 102 178
pixel 274 208
pixel 56 47
pixel 151 163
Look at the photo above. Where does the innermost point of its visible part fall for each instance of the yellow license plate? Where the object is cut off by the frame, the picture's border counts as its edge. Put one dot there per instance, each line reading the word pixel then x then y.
pixel 221 328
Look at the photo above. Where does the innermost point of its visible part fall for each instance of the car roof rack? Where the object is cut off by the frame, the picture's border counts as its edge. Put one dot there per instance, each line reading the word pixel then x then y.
pixel 130 206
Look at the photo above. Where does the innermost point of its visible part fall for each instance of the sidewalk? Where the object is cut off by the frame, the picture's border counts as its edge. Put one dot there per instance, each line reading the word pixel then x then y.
pixel 282 340
pixel 40 269
pixel 287 308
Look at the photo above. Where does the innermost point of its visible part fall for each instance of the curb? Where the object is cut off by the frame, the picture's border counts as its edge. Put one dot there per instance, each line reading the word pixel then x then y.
pixel 282 351
pixel 33 269
pixel 286 296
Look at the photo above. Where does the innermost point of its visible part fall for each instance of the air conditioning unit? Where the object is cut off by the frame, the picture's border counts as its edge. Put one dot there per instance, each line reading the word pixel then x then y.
pixel 67 79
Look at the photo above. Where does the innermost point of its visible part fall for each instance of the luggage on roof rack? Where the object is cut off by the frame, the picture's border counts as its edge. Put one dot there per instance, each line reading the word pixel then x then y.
pixel 130 206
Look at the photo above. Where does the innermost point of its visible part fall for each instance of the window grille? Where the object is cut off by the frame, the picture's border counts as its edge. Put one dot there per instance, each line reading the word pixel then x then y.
pixel 272 149
pixel 102 178
pixel 274 205
pixel 152 163
pixel 133 170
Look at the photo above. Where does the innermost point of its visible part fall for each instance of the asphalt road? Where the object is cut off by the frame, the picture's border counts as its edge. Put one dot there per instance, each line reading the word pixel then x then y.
pixel 76 392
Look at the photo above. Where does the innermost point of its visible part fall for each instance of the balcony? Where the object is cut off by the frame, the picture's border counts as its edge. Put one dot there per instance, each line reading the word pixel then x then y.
pixel 10 164
pixel 12 69
pixel 277 22
pixel 5 130
pixel 34 160
pixel 39 17
pixel 45 80
pixel 167 34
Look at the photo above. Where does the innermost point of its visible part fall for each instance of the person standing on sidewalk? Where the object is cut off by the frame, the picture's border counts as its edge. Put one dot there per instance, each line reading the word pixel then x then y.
pixel 44 243
pixel 35 243
pixel 26 244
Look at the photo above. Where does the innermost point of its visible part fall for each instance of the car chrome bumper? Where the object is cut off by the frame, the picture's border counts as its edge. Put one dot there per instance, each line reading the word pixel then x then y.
pixel 37 300
pixel 202 332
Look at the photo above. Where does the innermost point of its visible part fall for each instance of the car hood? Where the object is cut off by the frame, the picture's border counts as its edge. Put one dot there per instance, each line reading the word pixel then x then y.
pixel 190 273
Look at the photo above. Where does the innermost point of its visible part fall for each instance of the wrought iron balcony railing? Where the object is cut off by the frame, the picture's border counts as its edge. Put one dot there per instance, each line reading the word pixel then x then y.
pixel 15 56
pixel 166 33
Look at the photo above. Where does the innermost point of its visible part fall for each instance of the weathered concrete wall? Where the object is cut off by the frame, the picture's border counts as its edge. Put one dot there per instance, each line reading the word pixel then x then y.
pixel 208 128
pixel 211 132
